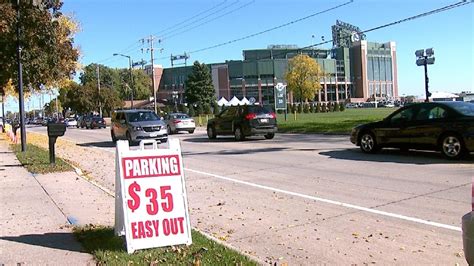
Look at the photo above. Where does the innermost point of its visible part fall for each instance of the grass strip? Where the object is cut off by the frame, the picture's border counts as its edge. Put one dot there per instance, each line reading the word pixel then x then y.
pixel 36 160
pixel 330 123
pixel 109 249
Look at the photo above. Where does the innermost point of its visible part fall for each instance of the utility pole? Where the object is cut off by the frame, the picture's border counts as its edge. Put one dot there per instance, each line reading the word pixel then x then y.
pixel 98 88
pixel 150 40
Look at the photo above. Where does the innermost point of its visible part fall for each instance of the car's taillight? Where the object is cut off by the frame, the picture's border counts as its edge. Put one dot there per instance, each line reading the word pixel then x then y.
pixel 192 120
pixel 177 121
pixel 273 115
pixel 250 116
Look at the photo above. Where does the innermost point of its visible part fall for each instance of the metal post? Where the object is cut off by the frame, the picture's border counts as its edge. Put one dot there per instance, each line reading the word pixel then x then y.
pixel 426 81
pixel 98 88
pixel 3 112
pixel 20 81
pixel 131 81
pixel 153 74
pixel 52 155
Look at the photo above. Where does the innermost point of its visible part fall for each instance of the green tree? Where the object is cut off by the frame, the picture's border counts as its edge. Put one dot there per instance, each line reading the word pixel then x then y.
pixel 199 88
pixel 216 108
pixel 303 76
pixel 47 37
pixel 306 108
pixel 191 111
pixel 342 107
pixel 199 109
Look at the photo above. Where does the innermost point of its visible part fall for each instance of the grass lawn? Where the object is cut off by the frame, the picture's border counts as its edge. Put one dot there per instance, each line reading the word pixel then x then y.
pixel 334 122
pixel 36 160
pixel 109 249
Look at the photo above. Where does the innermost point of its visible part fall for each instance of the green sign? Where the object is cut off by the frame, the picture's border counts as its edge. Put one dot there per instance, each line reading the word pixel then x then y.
pixel 280 96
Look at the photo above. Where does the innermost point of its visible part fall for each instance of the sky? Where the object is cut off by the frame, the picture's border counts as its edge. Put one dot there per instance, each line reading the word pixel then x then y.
pixel 185 26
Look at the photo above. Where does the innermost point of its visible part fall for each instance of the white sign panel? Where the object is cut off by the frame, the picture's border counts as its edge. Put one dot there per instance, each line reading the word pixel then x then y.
pixel 153 209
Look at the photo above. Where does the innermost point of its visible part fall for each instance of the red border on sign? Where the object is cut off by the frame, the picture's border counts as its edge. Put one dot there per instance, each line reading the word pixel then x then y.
pixel 159 168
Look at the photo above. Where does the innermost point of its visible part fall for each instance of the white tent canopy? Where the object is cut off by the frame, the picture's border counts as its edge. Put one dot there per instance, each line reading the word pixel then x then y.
pixel 445 95
pixel 234 101
pixel 244 101
pixel 222 101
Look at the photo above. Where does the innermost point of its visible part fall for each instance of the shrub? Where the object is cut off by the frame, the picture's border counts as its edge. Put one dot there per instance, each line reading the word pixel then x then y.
pixel 342 107
pixel 336 107
pixel 191 111
pixel 207 109
pixel 300 108
pixel 216 108
pixel 306 108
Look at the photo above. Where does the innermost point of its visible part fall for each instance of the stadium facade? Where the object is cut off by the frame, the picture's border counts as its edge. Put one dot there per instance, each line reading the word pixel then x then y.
pixel 356 71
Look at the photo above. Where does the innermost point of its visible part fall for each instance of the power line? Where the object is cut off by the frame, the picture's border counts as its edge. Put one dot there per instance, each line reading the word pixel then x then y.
pixel 428 13
pixel 425 14
pixel 210 20
pixel 271 29
pixel 190 21
pixel 137 44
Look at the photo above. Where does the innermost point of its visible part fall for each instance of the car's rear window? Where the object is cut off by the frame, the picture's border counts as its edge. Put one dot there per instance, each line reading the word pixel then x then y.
pixel 464 108
pixel 258 109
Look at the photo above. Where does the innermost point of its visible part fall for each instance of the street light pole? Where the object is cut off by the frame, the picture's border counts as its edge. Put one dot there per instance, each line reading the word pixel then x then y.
pixel 131 76
pixel 20 81
pixel 425 59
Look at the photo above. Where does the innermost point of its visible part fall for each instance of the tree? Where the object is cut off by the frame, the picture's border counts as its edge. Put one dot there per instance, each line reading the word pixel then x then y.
pixel 119 80
pixel 191 111
pixel 199 88
pixel 303 77
pixel 216 108
pixel 46 39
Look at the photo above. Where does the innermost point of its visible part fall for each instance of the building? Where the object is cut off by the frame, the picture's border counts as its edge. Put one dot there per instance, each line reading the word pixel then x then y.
pixel 357 71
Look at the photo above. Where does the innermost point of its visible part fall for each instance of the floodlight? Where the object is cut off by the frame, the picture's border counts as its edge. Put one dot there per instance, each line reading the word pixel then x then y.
pixel 430 60
pixel 420 61
pixel 420 53
pixel 429 52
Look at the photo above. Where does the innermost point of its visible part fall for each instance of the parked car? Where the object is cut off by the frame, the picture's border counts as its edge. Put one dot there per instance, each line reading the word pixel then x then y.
pixel 179 122
pixel 92 122
pixel 81 122
pixel 243 121
pixel 71 122
pixel 136 125
pixel 444 126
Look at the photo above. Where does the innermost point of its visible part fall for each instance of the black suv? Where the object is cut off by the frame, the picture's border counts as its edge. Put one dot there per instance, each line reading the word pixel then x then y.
pixel 242 121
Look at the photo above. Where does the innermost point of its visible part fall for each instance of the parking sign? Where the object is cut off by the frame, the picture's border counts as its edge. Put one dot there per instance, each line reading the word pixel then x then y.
pixel 151 202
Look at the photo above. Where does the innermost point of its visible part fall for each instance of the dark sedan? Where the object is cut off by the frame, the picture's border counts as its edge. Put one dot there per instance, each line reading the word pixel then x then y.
pixel 444 126
pixel 94 122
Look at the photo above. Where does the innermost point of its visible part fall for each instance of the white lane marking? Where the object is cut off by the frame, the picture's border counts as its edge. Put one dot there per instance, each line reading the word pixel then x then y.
pixel 342 204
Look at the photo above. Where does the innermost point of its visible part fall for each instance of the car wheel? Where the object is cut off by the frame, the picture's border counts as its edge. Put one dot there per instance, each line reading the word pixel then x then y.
pixel 164 140
pixel 129 138
pixel 239 136
pixel 452 146
pixel 211 132
pixel 168 128
pixel 269 135
pixel 191 131
pixel 368 143
pixel 112 134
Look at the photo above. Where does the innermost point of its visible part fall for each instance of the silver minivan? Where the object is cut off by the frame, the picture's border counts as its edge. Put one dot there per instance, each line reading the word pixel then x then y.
pixel 136 125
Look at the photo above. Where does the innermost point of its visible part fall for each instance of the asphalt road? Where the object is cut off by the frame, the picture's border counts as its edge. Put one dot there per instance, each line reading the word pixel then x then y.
pixel 305 199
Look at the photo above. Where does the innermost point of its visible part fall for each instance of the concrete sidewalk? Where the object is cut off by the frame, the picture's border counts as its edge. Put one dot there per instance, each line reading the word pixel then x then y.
pixel 38 211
